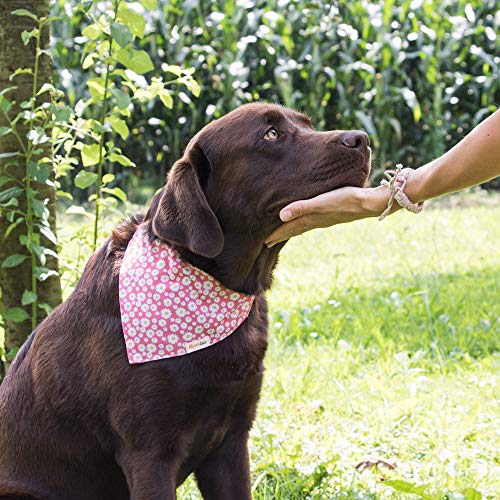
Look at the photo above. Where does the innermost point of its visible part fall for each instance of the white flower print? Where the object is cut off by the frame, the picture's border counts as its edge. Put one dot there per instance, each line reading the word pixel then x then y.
pixel 161 303
pixel 173 339
pixel 160 264
pixel 181 312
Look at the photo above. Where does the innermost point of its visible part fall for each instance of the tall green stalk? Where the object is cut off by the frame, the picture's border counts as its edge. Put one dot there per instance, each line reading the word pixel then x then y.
pixel 104 112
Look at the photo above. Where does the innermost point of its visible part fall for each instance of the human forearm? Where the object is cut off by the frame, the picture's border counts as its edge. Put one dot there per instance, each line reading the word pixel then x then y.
pixel 474 160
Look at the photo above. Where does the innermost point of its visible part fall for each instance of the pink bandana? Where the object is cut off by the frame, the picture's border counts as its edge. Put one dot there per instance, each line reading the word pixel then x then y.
pixel 169 307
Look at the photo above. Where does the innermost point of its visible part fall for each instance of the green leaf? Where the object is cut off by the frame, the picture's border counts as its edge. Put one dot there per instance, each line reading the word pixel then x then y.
pixel 38 171
pixel 25 37
pixel 8 155
pixel 4 179
pixel 107 178
pixel 121 159
pixel 21 71
pixel 134 21
pixel 5 131
pixel 92 31
pixel 45 307
pixel 47 232
pixel 472 494
pixel 25 13
pixel 46 87
pixel 5 104
pixel 116 191
pixel 193 86
pixel 75 209
pixel 28 297
pixel 149 4
pixel 406 487
pixel 13 260
pixel 90 154
pixel 8 89
pixel 119 126
pixel 122 98
pixel 121 34
pixel 136 60
pixel 12 226
pixel 39 208
pixel 96 87
pixel 84 179
pixel 166 98
pixel 42 273
pixel 88 61
pixel 175 69
pixel 12 192
pixel 13 202
pixel 61 113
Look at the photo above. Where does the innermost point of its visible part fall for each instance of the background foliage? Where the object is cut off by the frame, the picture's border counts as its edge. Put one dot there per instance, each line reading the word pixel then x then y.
pixel 415 378
pixel 416 74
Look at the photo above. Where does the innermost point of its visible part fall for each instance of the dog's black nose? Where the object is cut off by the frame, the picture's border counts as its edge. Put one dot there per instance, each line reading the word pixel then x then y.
pixel 355 139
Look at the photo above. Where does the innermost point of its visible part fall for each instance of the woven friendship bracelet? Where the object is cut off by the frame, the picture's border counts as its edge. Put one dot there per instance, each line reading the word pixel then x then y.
pixel 396 180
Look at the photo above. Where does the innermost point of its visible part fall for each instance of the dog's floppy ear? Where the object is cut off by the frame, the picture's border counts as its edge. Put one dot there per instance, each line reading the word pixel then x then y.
pixel 183 215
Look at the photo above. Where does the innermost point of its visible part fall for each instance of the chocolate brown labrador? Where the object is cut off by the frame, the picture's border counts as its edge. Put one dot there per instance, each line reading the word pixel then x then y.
pixel 77 421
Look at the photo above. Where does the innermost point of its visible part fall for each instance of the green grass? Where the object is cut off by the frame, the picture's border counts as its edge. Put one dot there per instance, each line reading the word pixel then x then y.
pixel 384 341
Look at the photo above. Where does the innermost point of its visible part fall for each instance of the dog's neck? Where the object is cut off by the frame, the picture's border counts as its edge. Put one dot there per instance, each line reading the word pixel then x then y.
pixel 243 265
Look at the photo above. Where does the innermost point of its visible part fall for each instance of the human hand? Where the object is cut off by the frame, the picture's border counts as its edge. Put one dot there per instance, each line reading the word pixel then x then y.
pixel 335 207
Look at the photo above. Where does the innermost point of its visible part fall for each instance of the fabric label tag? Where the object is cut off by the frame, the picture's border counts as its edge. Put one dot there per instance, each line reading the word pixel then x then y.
pixel 196 344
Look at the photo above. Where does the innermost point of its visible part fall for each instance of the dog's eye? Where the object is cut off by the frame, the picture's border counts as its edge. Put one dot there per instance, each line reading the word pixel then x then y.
pixel 271 134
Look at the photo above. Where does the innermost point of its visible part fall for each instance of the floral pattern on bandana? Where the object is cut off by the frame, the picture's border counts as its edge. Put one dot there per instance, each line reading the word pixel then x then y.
pixel 169 307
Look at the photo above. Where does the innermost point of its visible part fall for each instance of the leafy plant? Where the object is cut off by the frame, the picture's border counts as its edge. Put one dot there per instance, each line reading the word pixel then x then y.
pixel 115 86
pixel 416 76
pixel 20 200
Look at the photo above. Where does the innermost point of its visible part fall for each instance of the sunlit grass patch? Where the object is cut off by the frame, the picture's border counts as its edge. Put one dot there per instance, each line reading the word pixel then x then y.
pixel 384 342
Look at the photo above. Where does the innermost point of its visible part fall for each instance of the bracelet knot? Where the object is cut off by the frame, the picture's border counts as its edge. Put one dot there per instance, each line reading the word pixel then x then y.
pixel 396 180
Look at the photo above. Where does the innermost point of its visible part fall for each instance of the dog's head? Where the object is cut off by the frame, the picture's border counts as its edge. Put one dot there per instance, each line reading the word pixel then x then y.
pixel 240 170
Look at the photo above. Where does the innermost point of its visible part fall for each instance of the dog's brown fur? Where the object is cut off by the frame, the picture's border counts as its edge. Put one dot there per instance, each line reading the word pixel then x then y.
pixel 77 421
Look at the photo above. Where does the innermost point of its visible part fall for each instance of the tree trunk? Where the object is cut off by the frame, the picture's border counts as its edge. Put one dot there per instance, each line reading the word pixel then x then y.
pixel 14 54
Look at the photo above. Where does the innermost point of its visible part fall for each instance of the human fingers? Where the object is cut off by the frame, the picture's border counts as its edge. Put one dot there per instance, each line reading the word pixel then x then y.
pixel 290 229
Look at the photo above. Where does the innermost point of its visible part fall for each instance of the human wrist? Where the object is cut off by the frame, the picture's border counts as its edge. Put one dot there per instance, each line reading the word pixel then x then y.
pixel 419 183
pixel 373 201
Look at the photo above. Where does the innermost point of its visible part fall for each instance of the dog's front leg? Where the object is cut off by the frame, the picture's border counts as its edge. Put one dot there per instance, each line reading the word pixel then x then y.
pixel 148 476
pixel 225 473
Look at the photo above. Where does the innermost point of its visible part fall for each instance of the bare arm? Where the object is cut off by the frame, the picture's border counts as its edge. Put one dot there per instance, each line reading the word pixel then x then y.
pixel 474 160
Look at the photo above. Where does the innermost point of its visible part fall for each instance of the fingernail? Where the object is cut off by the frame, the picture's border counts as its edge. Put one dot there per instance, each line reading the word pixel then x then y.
pixel 286 215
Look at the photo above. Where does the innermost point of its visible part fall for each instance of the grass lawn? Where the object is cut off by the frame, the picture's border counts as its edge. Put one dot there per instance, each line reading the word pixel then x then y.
pixel 384 342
